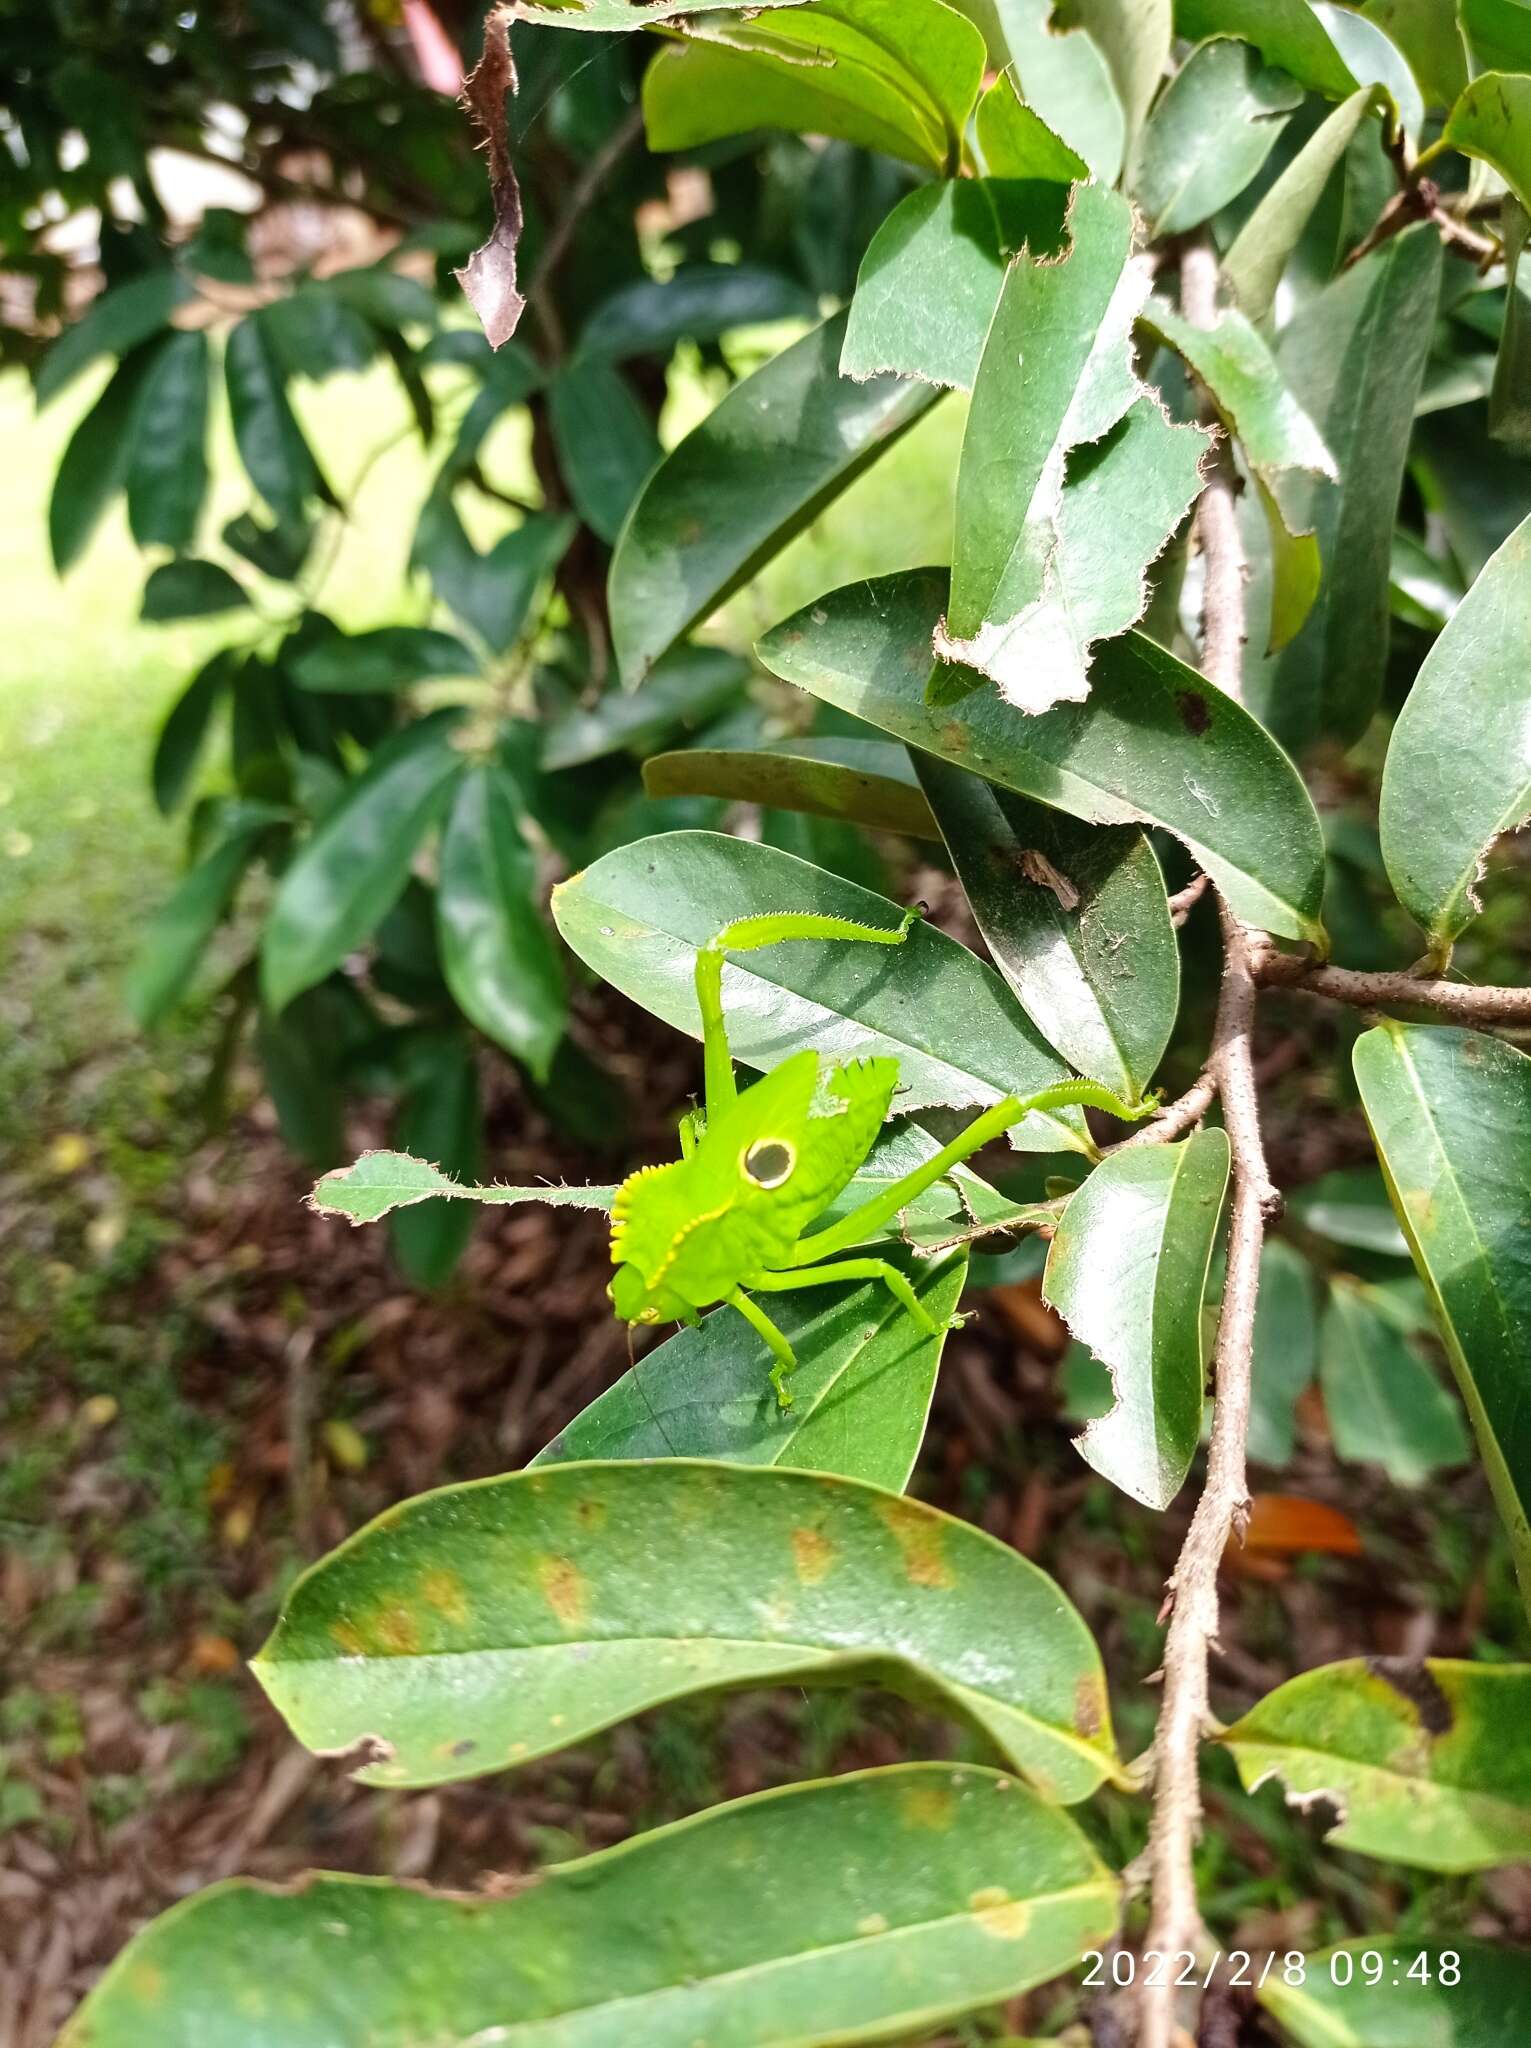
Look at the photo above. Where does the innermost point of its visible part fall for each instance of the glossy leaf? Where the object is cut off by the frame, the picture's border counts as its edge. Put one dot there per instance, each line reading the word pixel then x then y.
pixel 1127 1272
pixel 1285 1351
pixel 94 466
pixel 522 1614
pixel 780 447
pixel 1074 916
pixel 1458 770
pixel 1430 36
pixel 867 781
pixel 855 1907
pixel 377 1183
pixel 685 692
pixel 1491 121
pixel 440 1116
pixel 1134 37
pixel 1353 357
pixel 638 916
pixel 349 874
pixel 1258 254
pixel 1497 35
pixel 606 442
pixel 115 323
pixel 1360 1995
pixel 183 736
pixel 1015 143
pixel 931 275
pixel 167 473
pixel 898 76
pixel 1279 441
pixel 1050 553
pixel 701 302
pixel 177 935
pixel 1155 743
pixel 1385 1406
pixel 1450 1112
pixel 388 658
pixel 1067 81
pixel 271 444
pixel 1285 32
pixel 1372 58
pixel 497 953
pixel 1428 1763
pixel 860 1395
pixel 1219 119
pixel 190 589
pixel 490 593
pixel 1509 409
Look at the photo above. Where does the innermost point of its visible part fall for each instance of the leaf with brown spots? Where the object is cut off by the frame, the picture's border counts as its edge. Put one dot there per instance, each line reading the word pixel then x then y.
pixel 522 1614
pixel 858 1908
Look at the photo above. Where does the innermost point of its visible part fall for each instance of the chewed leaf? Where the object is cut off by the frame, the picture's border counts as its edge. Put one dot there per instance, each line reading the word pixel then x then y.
pixel 1072 478
pixel 1428 1763
pixel 378 1182
pixel 1128 1272
pixel 488 278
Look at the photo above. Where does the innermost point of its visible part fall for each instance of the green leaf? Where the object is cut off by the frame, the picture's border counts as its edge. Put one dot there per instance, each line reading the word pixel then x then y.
pixel 851 1908
pixel 1509 405
pixel 1016 144
pixel 1134 36
pixel 349 874
pixel 183 736
pixel 1360 1995
pixel 860 1395
pixel 1280 443
pixel 114 324
pixel 299 1054
pixel 1491 121
pixel 1429 36
pixel 177 935
pixel 1374 59
pixel 928 283
pixel 1424 590
pixel 1429 1763
pixel 1074 916
pixel 190 589
pixel 766 461
pixel 388 658
pixel 898 76
pixel 379 1182
pixel 497 953
pixel 1450 1112
pixel 1353 357
pixel 439 1114
pixel 1349 1206
pixel 167 472
pixel 639 915
pixel 1258 254
pixel 490 593
pixel 606 442
pixel 1127 1272
pixel 1049 560
pixel 522 1614
pixel 277 551
pixel 1155 744
pixel 685 692
pixel 1285 32
pixel 701 302
pixel 1218 121
pixel 1458 770
pixel 1385 1405
pixel 277 458
pixel 94 467
pixel 1285 1351
pixel 1497 34
pixel 1066 81
pixel 867 781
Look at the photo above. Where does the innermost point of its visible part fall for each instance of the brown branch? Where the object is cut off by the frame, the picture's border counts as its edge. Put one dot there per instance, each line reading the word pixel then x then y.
pixel 1457 999
pixel 1176 1118
pixel 1185 900
pixel 1175 1922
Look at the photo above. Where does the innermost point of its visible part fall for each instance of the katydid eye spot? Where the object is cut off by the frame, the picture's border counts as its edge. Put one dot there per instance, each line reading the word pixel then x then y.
pixel 769 1162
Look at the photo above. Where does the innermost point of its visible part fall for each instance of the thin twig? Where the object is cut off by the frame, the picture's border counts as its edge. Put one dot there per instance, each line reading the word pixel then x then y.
pixel 1460 999
pixel 1176 1118
pixel 1185 900
pixel 1217 512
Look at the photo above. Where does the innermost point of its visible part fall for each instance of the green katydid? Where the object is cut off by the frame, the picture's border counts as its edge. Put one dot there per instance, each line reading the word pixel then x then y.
pixel 726 1220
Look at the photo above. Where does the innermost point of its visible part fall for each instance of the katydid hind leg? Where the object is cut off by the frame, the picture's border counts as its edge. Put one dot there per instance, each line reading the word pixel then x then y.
pixel 897 1284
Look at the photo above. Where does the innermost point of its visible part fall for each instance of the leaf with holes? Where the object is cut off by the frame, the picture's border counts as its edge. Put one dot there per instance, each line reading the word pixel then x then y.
pixel 486 1624
pixel 1428 1763
pixel 1066 80
pixel 1128 1272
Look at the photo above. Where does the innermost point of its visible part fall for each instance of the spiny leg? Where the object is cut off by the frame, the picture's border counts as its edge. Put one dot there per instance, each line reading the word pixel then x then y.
pixel 747 935
pixel 854 1269
pixel 881 1208
pixel 781 1350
